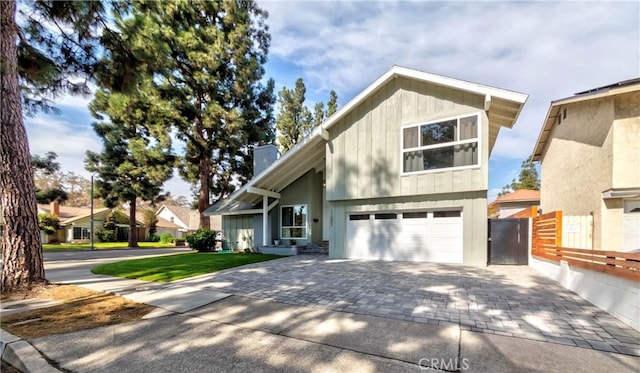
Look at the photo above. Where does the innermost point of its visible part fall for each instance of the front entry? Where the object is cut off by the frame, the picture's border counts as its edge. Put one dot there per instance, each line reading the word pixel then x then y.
pixel 509 241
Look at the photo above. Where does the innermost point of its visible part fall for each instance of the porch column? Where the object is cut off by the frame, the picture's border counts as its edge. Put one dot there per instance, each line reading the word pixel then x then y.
pixel 265 220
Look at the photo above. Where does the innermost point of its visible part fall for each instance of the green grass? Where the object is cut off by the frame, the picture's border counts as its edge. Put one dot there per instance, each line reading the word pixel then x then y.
pixel 174 267
pixel 102 245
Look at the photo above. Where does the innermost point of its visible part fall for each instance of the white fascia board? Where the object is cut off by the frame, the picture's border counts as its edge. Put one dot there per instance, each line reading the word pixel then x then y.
pixel 249 212
pixel 462 85
pixel 396 71
pixel 263 192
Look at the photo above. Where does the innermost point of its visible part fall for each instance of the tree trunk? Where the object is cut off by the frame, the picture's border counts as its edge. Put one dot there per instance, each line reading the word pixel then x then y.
pixel 204 170
pixel 22 265
pixel 133 226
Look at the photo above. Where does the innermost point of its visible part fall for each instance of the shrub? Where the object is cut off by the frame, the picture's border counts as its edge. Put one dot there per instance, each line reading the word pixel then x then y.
pixel 202 240
pixel 48 223
pixel 106 235
pixel 166 237
pixel 154 238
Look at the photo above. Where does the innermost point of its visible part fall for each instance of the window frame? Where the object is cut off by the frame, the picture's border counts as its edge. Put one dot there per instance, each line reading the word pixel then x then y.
pixel 83 230
pixel 306 222
pixel 457 118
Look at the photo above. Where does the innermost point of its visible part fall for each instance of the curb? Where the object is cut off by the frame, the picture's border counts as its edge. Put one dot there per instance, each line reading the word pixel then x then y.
pixel 22 355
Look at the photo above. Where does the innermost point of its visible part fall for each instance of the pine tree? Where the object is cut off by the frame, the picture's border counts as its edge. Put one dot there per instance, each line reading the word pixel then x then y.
pixel 46 166
pixel 207 57
pixel 37 62
pixel 295 120
pixel 528 179
pixel 136 158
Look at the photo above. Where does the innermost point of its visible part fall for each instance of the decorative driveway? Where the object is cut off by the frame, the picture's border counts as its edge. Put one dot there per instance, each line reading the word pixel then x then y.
pixel 511 301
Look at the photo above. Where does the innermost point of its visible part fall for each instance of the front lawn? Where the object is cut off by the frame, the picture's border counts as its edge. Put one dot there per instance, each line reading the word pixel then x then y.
pixel 179 266
pixel 102 245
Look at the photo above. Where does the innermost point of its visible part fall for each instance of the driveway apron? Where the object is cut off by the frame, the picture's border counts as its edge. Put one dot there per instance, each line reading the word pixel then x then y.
pixel 512 301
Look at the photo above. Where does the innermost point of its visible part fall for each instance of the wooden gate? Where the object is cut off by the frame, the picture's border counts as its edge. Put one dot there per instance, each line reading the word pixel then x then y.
pixel 509 241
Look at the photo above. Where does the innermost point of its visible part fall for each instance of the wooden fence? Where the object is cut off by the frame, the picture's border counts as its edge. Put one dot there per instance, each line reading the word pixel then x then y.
pixel 547 244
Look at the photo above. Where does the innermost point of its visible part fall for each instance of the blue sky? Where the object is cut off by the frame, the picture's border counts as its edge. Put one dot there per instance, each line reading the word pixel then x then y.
pixel 548 50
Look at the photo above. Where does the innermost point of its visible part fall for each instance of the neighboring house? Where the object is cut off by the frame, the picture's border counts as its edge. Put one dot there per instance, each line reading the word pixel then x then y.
pixel 162 226
pixel 398 173
pixel 185 219
pixel 75 222
pixel 514 203
pixel 589 153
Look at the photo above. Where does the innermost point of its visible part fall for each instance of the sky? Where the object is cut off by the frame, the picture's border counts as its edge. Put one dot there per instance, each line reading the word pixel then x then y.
pixel 548 50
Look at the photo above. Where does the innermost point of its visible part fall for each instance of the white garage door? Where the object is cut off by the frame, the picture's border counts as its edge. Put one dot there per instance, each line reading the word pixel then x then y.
pixel 434 236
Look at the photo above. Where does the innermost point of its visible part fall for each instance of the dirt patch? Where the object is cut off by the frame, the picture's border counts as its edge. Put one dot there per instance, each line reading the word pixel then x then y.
pixel 81 309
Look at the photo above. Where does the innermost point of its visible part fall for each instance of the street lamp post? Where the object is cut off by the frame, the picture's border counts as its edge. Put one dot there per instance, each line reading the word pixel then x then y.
pixel 91 233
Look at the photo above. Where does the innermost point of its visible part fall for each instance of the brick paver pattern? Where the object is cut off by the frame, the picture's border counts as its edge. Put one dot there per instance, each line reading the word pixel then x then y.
pixel 511 301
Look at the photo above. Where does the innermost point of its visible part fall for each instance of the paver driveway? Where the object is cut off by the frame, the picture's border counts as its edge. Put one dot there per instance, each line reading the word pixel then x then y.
pixel 505 300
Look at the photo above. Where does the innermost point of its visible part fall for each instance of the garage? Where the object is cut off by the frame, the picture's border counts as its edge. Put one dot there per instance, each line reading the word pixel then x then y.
pixel 417 236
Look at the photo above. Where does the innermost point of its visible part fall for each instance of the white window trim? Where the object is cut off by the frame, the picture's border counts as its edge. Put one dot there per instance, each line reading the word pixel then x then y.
pixel 305 227
pixel 435 146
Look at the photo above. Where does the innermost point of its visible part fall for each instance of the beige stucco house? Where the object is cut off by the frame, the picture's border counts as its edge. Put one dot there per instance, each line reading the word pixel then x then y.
pixel 589 152
pixel 398 173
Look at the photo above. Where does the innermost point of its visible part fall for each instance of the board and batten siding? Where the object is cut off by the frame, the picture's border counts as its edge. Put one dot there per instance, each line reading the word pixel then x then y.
pixel 364 152
pixel 238 232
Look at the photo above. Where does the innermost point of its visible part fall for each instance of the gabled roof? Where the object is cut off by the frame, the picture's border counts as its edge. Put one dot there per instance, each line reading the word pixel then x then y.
pixel 180 212
pixel 503 108
pixel 624 86
pixel 69 214
pixel 162 223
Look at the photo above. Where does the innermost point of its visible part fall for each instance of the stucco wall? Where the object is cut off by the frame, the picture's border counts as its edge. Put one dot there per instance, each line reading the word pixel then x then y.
pixel 508 209
pixel 626 135
pixel 474 216
pixel 577 164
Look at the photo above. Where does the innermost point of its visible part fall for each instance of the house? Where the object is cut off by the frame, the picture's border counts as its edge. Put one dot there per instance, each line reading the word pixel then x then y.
pixel 589 154
pixel 185 219
pixel 398 173
pixel 518 203
pixel 75 223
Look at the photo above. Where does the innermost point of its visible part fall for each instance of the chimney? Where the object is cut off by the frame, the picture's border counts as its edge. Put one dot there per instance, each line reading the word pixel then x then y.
pixel 55 208
pixel 263 157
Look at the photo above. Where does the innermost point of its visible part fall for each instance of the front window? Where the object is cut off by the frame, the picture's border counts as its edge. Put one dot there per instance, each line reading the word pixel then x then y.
pixel 293 221
pixel 81 233
pixel 439 145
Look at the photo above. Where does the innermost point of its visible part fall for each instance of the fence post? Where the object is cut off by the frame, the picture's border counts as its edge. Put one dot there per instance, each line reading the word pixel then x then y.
pixel 558 228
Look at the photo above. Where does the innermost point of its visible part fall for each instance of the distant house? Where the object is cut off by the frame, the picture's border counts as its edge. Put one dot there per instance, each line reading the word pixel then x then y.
pixel 400 172
pixel 589 153
pixel 517 203
pixel 75 223
pixel 185 219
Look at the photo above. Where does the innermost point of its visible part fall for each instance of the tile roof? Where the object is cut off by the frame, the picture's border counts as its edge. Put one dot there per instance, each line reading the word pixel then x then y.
pixel 519 195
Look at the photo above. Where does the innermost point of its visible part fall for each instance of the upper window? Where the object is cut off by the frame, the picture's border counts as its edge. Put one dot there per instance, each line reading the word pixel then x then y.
pixel 293 221
pixel 442 144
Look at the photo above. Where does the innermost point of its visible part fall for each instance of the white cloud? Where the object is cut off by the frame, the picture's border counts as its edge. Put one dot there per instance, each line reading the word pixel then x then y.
pixel 58 134
pixel 547 50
